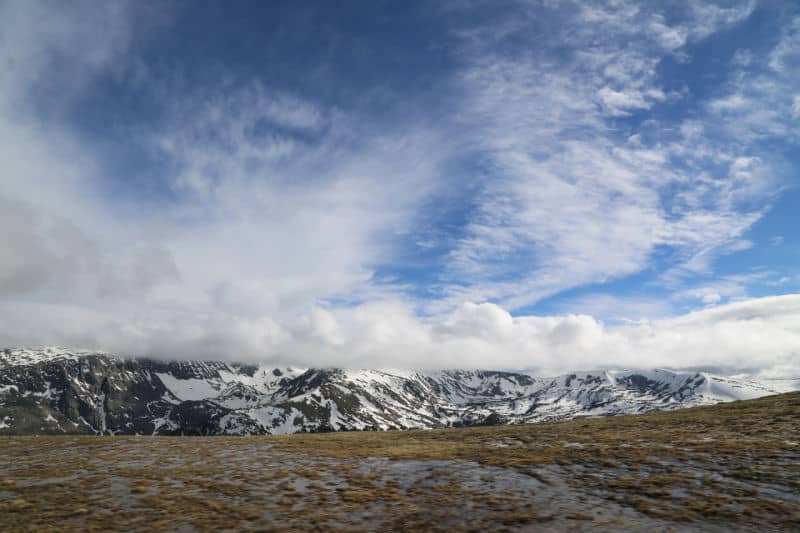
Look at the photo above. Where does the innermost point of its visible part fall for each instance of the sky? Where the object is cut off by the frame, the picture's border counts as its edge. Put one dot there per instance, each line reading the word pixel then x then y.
pixel 544 185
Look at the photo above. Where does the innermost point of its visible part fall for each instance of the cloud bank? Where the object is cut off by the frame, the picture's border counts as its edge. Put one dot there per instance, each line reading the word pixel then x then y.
pixel 759 336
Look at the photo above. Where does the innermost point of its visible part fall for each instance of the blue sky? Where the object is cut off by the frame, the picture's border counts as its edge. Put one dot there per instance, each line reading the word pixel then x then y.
pixel 531 184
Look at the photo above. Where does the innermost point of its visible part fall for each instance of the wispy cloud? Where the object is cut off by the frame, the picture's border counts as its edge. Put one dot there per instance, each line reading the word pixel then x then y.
pixel 576 197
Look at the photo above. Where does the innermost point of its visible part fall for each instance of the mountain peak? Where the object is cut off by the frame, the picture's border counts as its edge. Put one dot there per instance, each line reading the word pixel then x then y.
pixel 57 390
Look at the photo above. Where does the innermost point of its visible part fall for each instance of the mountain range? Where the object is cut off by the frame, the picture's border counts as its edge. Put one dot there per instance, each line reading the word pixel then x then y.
pixel 53 390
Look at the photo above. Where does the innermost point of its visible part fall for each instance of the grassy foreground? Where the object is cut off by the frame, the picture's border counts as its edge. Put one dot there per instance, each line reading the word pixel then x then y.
pixel 730 466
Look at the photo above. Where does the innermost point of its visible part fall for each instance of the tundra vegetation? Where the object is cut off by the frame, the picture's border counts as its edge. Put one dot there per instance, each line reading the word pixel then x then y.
pixel 733 465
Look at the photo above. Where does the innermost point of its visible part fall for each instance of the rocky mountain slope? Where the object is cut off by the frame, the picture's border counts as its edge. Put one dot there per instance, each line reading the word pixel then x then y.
pixel 53 390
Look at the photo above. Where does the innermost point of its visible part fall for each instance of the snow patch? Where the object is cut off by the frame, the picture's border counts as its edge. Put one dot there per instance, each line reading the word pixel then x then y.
pixel 189 389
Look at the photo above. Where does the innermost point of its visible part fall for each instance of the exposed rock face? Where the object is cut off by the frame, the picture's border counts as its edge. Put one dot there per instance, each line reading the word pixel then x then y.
pixel 53 390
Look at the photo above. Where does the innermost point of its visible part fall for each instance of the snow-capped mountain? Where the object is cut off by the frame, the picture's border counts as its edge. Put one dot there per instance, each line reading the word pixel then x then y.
pixel 53 390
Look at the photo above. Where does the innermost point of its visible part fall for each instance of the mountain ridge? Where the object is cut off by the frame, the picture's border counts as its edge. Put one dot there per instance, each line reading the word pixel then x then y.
pixel 58 390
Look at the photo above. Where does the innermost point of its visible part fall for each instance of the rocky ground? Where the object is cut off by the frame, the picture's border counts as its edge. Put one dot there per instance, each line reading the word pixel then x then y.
pixel 729 466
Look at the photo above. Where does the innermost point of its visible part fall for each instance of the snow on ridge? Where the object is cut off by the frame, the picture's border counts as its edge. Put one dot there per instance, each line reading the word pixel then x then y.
pixel 261 398
pixel 19 356
pixel 191 389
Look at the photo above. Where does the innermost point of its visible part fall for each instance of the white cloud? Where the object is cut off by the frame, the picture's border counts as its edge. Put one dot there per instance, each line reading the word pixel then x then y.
pixel 669 37
pixel 618 103
pixel 710 17
pixel 786 55
pixel 733 102
pixel 758 335
pixel 759 103
pixel 260 221
pixel 41 37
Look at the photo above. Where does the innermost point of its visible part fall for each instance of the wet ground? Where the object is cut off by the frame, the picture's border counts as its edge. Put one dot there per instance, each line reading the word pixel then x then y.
pixel 700 470
pixel 199 484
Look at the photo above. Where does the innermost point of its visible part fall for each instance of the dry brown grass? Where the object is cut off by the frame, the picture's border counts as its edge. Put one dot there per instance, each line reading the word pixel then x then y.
pixel 758 426
pixel 731 465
